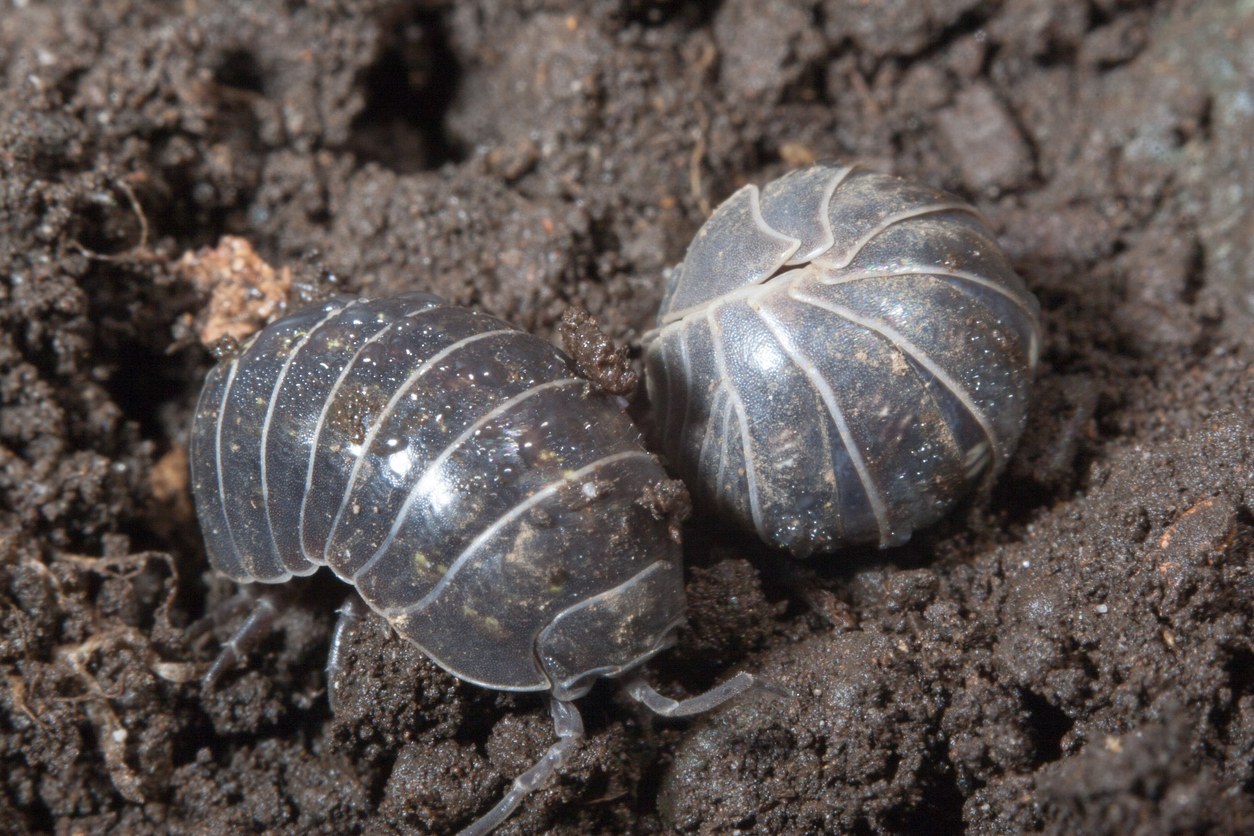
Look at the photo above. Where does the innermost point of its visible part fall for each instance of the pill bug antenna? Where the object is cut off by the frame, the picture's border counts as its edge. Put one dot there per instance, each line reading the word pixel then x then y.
pixel 738 686
pixel 568 725
pixel 352 613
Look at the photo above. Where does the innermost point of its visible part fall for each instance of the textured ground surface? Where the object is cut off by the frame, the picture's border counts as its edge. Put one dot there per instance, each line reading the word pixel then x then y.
pixel 1073 654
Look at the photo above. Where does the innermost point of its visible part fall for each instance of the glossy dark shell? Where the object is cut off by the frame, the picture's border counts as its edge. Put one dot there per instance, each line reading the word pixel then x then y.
pixel 476 492
pixel 841 355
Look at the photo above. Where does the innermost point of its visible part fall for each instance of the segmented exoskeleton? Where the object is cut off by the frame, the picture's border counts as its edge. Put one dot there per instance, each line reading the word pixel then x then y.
pixel 840 356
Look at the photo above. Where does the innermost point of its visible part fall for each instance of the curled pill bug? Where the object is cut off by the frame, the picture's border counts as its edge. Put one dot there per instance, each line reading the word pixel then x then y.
pixel 476 492
pixel 840 357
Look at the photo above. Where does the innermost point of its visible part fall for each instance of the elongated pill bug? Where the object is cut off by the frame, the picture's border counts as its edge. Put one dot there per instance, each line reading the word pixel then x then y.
pixel 840 357
pixel 477 493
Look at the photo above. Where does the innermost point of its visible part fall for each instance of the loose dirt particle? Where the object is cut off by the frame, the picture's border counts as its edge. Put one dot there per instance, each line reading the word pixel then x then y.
pixel 598 358
pixel 245 293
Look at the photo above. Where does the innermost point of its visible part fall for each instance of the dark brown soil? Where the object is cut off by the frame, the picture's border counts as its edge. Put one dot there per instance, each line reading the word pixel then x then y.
pixel 1071 654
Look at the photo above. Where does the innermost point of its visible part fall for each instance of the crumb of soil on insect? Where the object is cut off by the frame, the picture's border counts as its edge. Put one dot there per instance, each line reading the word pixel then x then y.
pixel 668 501
pixel 595 354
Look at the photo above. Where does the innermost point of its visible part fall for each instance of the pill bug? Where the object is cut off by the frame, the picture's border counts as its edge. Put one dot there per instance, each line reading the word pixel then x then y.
pixel 476 492
pixel 840 356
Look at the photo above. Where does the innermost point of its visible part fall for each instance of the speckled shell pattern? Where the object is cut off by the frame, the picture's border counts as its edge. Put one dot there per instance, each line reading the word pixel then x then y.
pixel 452 468
pixel 840 356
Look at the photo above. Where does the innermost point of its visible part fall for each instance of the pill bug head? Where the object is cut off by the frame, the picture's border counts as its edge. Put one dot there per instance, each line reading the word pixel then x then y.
pixel 840 357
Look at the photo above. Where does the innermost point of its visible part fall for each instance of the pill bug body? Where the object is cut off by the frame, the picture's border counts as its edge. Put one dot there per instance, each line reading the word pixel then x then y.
pixel 839 357
pixel 475 491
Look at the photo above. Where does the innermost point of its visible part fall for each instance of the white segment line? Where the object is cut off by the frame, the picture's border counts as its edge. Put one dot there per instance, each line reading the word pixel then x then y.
pixel 825 207
pixel 873 494
pixel 827 274
pixel 676 318
pixel 746 444
pixel 671 388
pixel 687 386
pixel 658 379
pixel 825 220
pixel 322 418
pixel 961 275
pixel 415 492
pixel 755 212
pixel 836 486
pixel 867 237
pixel 505 519
pixel 377 425
pixel 760 224
pixel 899 341
pixel 217 454
pixel 706 436
pixel 720 487
pixel 274 396
pixel 716 337
pixel 1033 347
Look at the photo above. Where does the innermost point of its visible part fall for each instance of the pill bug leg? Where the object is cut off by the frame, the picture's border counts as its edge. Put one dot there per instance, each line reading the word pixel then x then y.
pixel 264 608
pixel 738 685
pixel 352 613
pixel 569 728
pixel 224 612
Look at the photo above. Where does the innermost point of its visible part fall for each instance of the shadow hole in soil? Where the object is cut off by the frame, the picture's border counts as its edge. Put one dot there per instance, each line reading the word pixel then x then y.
pixel 1049 724
pixel 145 381
pixel 35 816
pixel 239 69
pixel 939 812
pixel 1240 670
pixel 408 90
pixel 1017 501
pixel 196 735
pixel 708 540
pixel 1239 667
pixel 693 14
pixel 106 225
pixel 1195 275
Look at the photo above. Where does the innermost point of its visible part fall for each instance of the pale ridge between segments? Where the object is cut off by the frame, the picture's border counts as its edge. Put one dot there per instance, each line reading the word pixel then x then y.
pixel 705 437
pixel 672 390
pixel 930 209
pixel 755 214
pixel 746 446
pixel 825 220
pixel 687 388
pixel 265 427
pixel 377 424
pixel 961 275
pixel 755 211
pixel 899 341
pixel 716 338
pixel 822 264
pixel 722 458
pixel 217 454
pixel 506 518
pixel 322 417
pixel 662 383
pixel 878 506
pixel 496 412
